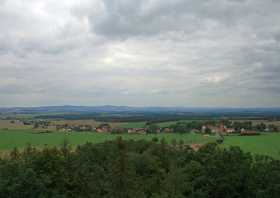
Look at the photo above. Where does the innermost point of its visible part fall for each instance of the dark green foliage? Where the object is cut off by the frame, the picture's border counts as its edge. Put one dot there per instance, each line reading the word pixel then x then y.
pixel 260 127
pixel 138 169
pixel 273 128
pixel 152 128
pixel 242 125
pixel 208 130
pixel 155 139
pixel 117 130
pixel 186 127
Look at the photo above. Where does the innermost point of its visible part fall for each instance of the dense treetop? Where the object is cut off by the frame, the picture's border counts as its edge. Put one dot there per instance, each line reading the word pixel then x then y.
pixel 124 169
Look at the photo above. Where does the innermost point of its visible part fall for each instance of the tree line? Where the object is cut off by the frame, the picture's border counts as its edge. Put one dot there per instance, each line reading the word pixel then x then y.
pixel 138 169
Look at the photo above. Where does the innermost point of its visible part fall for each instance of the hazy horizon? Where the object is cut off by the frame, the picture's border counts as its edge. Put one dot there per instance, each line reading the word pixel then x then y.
pixel 215 53
pixel 149 106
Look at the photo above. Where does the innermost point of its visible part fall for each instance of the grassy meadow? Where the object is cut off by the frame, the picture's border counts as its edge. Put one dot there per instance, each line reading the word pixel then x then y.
pixel 132 124
pixel 267 144
pixel 143 124
pixel 10 139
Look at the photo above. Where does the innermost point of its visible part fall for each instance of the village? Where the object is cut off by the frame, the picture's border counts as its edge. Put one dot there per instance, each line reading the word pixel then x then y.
pixel 221 127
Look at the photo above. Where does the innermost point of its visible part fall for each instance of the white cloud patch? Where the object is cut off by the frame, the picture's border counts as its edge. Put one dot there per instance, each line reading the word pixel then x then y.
pixel 217 78
pixel 146 52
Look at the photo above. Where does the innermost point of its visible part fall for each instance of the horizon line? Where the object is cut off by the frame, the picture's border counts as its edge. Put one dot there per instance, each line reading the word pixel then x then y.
pixel 145 106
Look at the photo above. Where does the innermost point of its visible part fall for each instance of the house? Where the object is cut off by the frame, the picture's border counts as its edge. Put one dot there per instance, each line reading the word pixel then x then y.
pixel 158 130
pixel 203 129
pixel 195 131
pixel 245 132
pixel 141 131
pixel 137 130
pixel 230 130
pixel 83 128
pixel 213 129
pixel 63 127
pixel 166 130
pixel 222 130
pixel 103 128
pixel 209 129
pixel 131 130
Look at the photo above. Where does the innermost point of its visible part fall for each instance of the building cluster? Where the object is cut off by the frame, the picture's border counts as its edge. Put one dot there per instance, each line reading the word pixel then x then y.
pixel 106 128
pixel 44 124
pixel 103 128
pixel 137 130
pixel 221 129
pixel 224 130
pixel 208 127
pixel 147 130
pixel 244 132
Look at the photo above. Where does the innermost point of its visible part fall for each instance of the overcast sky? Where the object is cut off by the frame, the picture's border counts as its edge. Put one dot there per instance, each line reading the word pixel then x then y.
pixel 140 53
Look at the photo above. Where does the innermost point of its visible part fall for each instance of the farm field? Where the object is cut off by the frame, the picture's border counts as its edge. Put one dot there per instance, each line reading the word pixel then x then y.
pixel 143 124
pixel 131 124
pixel 19 138
pixel 17 125
pixel 266 144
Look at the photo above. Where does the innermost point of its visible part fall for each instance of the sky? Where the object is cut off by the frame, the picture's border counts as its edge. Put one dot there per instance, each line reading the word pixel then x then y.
pixel 140 53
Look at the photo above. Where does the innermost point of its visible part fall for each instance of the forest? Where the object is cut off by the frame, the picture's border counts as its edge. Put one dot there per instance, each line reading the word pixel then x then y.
pixel 138 169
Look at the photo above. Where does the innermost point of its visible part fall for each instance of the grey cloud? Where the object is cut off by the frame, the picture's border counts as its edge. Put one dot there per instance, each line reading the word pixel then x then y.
pixel 126 18
pixel 147 52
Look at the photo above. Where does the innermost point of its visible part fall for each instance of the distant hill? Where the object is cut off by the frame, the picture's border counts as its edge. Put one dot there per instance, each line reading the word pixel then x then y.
pixel 109 109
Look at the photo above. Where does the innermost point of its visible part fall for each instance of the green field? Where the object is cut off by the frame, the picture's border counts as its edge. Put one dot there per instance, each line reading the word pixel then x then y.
pixel 19 138
pixel 132 124
pixel 267 144
pixel 143 124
